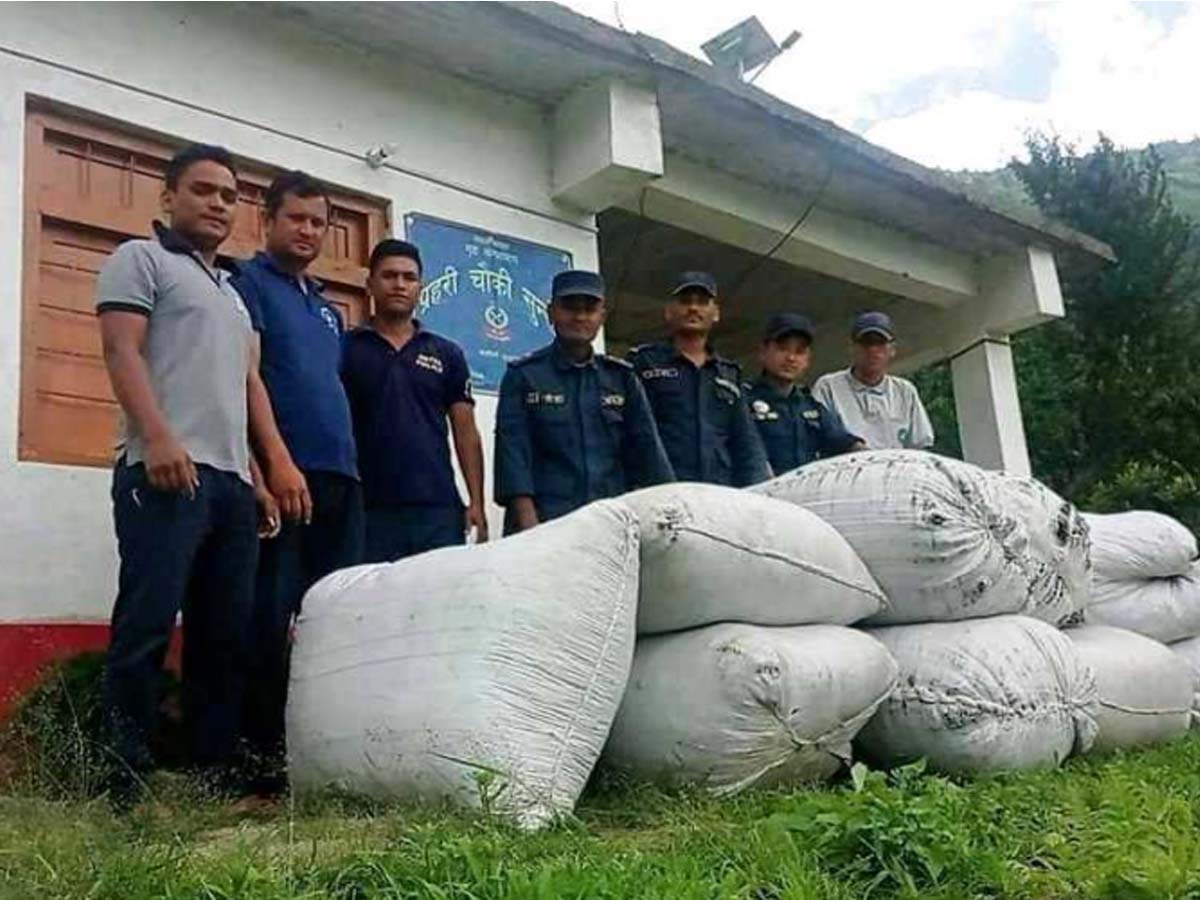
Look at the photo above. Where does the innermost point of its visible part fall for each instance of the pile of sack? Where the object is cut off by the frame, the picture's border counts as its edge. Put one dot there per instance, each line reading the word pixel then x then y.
pixel 892 605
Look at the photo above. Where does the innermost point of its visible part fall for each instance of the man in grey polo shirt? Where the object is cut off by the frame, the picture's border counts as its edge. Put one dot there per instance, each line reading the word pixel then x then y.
pixel 181 355
pixel 883 409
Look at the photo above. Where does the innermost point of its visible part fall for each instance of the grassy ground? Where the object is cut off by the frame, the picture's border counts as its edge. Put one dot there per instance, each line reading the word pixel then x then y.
pixel 1126 827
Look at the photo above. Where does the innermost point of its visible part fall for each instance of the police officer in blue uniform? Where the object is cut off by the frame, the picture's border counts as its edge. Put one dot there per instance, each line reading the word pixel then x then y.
pixel 573 425
pixel 794 427
pixel 696 395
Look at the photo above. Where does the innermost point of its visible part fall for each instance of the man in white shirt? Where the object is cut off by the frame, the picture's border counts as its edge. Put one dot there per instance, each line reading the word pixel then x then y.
pixel 884 410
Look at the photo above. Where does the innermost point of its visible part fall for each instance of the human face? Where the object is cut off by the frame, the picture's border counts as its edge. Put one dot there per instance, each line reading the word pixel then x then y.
pixel 692 312
pixel 577 319
pixel 786 358
pixel 872 355
pixel 395 286
pixel 297 230
pixel 202 204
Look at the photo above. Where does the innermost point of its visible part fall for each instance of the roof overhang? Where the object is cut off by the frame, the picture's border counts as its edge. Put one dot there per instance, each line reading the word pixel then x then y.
pixel 543 51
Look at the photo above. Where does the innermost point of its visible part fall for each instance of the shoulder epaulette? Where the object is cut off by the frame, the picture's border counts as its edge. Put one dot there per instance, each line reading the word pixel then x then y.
pixel 614 360
pixel 529 357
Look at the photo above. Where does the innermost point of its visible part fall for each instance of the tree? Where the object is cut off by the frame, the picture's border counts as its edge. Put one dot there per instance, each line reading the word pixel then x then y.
pixel 1111 393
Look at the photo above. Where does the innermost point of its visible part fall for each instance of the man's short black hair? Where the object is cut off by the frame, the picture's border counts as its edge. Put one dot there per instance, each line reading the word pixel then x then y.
pixel 194 153
pixel 393 247
pixel 297 184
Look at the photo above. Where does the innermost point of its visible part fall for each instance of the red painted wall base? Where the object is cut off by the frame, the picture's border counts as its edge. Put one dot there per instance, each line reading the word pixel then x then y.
pixel 27 648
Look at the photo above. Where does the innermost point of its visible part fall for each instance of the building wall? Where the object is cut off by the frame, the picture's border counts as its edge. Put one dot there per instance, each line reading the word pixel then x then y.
pixel 271 93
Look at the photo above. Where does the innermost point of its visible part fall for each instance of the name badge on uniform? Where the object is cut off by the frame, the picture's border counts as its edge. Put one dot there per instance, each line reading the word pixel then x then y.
pixel 660 372
pixel 544 398
pixel 812 414
pixel 432 363
pixel 761 411
pixel 612 400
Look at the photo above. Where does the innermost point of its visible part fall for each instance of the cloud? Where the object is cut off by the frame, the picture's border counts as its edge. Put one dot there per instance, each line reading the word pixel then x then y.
pixel 957 84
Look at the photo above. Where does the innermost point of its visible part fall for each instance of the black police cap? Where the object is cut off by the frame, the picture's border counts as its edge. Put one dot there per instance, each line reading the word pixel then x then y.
pixel 577 283
pixel 786 323
pixel 695 281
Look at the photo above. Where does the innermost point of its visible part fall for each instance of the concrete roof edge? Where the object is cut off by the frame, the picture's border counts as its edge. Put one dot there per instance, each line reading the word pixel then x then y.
pixel 642 49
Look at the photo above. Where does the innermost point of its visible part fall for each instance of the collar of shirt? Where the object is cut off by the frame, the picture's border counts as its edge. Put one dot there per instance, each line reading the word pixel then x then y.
pixel 174 242
pixel 864 388
pixel 311 286
pixel 714 357
pixel 795 390
pixel 564 362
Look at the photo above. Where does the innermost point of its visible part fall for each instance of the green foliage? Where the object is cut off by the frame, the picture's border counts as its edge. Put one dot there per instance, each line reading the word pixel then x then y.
pixel 1123 827
pixel 56 742
pixel 1111 394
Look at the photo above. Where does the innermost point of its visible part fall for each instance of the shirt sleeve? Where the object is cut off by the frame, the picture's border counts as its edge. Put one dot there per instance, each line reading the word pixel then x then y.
pixel 822 392
pixel 457 380
pixel 749 459
pixel 835 438
pixel 513 458
pixel 646 460
pixel 127 281
pixel 248 288
pixel 920 429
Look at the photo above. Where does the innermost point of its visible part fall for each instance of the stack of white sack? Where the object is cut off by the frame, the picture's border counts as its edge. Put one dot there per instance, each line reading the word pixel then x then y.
pixel 742 674
pixel 947 540
pixel 1007 692
pixel 487 676
pixel 1189 652
pixel 1144 577
pixel 1145 691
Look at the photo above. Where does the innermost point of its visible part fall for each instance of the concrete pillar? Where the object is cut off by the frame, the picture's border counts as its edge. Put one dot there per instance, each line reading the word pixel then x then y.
pixel 989 411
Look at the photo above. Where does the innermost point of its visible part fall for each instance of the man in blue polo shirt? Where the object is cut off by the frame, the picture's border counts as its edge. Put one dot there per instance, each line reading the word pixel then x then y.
pixel 310 463
pixel 404 382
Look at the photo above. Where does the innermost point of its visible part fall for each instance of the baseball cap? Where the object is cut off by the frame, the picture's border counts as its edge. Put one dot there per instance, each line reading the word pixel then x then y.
pixel 873 323
pixel 700 280
pixel 577 282
pixel 787 323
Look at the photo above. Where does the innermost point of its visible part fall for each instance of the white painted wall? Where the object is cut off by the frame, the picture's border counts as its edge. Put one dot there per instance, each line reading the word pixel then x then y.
pixel 470 155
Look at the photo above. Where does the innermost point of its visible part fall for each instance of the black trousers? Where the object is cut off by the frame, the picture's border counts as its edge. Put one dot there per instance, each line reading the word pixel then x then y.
pixel 289 564
pixel 191 554
pixel 400 531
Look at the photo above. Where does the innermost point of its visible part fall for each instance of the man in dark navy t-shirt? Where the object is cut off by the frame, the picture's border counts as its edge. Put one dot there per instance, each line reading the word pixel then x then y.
pixel 310 469
pixel 404 383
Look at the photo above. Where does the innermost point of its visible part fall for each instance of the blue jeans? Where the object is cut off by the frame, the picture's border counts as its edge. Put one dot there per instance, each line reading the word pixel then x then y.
pixel 289 564
pixel 191 554
pixel 399 531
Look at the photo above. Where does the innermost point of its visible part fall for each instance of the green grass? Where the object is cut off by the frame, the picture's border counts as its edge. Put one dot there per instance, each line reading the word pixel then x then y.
pixel 1124 827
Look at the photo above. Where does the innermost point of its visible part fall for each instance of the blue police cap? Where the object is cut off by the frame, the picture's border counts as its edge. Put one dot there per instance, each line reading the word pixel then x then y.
pixel 695 280
pixel 577 282
pixel 873 323
pixel 784 323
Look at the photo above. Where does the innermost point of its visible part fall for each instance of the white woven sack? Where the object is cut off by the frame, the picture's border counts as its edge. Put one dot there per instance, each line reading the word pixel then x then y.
pixel 718 554
pixel 485 675
pixel 1145 690
pixel 984 695
pixel 1139 544
pixel 730 706
pixel 1165 609
pixel 947 540
pixel 1189 652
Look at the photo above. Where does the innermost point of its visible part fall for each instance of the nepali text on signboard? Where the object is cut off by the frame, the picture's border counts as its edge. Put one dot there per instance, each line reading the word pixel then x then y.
pixel 485 291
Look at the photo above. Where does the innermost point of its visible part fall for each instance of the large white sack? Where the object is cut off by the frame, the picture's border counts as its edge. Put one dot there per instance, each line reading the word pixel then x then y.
pixel 470 671
pixel 729 706
pixel 718 554
pixel 947 540
pixel 1165 609
pixel 1139 544
pixel 1145 690
pixel 984 695
pixel 1189 652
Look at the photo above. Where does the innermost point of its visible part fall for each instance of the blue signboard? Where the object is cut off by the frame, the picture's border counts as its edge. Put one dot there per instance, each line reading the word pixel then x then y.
pixel 485 291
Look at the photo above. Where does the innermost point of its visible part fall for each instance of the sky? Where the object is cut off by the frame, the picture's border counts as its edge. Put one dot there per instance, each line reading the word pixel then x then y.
pixel 958 85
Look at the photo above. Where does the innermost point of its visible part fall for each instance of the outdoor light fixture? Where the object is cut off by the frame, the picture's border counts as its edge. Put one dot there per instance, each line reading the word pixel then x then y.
pixel 377 156
pixel 745 47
